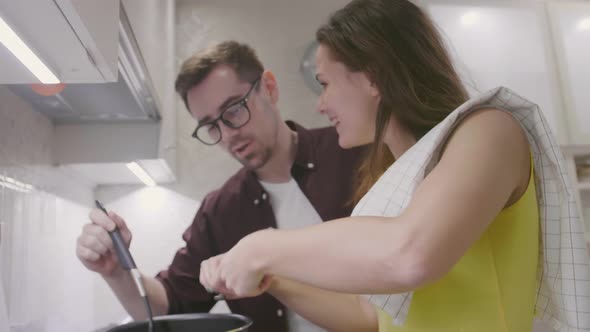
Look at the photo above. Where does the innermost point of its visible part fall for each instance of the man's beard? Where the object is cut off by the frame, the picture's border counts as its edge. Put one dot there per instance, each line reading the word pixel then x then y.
pixel 256 160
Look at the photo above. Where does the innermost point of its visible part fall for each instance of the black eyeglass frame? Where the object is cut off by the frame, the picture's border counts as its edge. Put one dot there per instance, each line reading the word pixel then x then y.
pixel 214 122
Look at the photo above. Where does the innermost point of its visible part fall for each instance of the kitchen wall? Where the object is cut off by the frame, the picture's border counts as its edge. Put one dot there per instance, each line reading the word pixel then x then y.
pixel 25 134
pixel 44 286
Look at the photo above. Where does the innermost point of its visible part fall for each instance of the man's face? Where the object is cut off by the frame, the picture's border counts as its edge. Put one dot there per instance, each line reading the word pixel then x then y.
pixel 252 144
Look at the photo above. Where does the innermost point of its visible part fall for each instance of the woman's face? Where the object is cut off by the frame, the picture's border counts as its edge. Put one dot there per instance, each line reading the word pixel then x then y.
pixel 348 99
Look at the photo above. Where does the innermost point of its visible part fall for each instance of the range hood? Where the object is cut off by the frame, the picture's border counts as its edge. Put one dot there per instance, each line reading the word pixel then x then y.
pixel 109 114
pixel 76 39
pixel 131 97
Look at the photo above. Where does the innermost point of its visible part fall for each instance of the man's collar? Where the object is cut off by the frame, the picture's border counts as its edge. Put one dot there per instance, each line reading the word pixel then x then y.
pixel 304 157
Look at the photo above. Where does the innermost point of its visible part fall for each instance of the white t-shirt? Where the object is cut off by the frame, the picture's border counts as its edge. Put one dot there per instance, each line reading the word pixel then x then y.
pixel 292 210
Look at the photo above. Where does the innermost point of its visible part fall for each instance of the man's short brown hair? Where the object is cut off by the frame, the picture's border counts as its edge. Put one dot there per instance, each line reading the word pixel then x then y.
pixel 241 57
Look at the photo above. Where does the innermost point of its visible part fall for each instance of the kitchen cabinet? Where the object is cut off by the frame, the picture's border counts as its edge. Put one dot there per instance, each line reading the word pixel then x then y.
pixel 503 43
pixel 539 49
pixel 570 28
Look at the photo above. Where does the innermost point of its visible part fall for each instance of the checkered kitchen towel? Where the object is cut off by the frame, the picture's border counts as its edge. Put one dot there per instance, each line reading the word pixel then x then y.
pixel 563 297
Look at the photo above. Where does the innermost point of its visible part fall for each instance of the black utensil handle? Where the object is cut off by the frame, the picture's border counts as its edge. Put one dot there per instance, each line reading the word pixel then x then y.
pixel 123 254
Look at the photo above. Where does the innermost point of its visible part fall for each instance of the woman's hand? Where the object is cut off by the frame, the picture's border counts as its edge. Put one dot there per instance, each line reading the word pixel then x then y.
pixel 237 273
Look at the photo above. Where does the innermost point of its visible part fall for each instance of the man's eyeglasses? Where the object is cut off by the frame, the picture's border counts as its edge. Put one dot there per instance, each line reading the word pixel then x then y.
pixel 234 116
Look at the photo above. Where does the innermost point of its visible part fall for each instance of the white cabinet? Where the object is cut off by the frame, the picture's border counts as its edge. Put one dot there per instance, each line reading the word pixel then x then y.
pixel 570 23
pixel 504 43
pixel 541 50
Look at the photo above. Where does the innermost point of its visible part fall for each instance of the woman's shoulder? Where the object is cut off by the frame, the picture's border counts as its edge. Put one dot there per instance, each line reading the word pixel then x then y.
pixel 499 137
pixel 492 126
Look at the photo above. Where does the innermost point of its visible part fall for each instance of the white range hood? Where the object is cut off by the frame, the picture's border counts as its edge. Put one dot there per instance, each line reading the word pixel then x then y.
pixel 76 39
pixel 118 105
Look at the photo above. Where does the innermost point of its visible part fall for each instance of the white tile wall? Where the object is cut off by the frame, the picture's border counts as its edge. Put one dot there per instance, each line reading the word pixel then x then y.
pixel 44 287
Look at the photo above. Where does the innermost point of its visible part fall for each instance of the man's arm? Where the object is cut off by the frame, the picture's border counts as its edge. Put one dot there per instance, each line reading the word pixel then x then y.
pixel 124 288
pixel 333 311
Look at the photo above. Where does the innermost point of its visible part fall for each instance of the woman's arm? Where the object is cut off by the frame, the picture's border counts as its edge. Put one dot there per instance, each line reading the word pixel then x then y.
pixel 481 171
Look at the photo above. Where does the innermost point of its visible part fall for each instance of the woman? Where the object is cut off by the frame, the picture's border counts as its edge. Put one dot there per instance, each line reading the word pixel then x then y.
pixel 466 245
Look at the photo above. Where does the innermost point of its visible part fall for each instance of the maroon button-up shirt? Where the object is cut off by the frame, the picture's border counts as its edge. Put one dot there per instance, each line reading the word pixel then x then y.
pixel 325 173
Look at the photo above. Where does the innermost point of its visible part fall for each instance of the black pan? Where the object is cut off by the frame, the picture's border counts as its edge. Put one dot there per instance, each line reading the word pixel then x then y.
pixel 190 323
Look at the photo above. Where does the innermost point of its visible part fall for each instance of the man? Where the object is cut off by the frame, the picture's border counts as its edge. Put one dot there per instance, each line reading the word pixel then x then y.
pixel 303 173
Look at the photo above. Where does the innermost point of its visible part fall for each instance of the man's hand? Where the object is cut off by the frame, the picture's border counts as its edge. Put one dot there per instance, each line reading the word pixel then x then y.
pixel 94 247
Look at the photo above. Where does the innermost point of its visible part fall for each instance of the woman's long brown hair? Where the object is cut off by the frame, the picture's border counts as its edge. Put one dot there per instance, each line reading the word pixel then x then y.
pixel 398 46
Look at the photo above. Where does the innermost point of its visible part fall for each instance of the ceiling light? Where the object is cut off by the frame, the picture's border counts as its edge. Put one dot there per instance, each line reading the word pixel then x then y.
pixel 141 174
pixel 470 18
pixel 584 24
pixel 24 54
